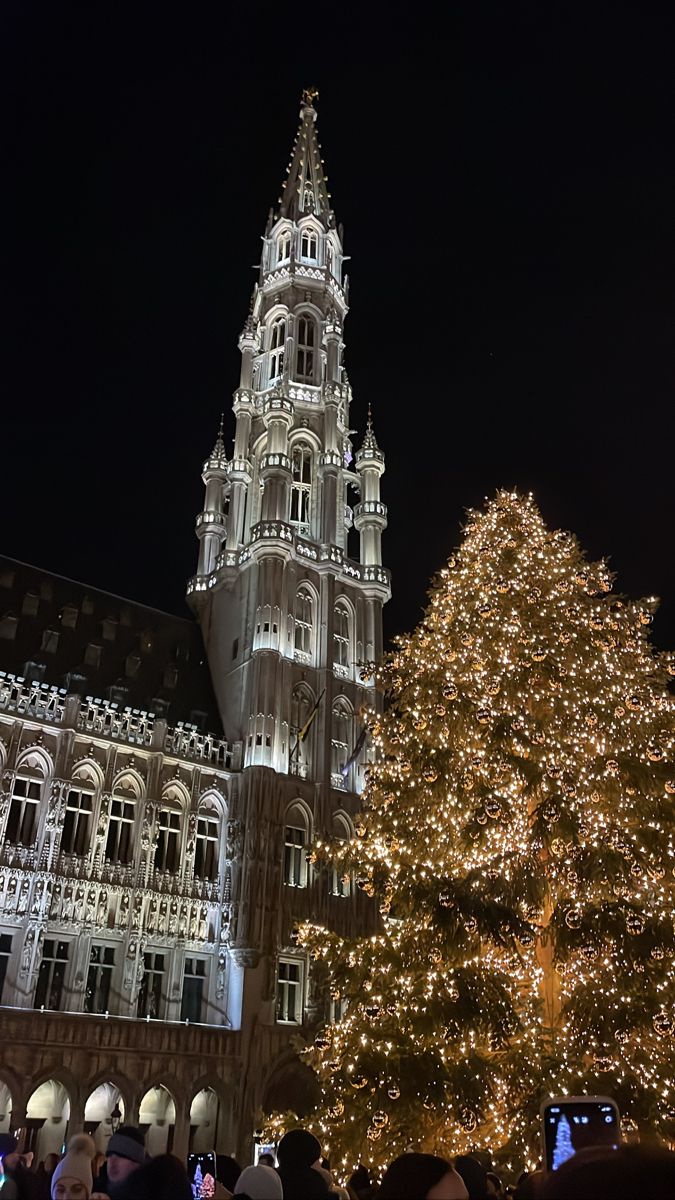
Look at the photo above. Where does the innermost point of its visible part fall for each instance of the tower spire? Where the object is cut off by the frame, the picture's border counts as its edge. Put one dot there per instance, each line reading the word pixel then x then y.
pixel 305 188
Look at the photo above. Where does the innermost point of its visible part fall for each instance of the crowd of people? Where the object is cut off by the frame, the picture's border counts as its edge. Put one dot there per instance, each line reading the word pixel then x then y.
pixel 125 1172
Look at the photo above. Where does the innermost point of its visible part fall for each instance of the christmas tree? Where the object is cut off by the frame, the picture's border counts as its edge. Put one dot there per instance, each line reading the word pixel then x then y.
pixel 517 836
pixel 563 1148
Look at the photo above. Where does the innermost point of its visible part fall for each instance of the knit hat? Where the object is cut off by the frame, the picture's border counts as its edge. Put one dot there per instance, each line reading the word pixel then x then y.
pixel 128 1142
pixel 7 1144
pixel 260 1183
pixel 298 1148
pixel 76 1163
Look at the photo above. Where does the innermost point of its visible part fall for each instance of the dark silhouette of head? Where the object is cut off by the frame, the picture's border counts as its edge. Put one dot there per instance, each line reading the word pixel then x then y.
pixel 412 1176
pixel 628 1173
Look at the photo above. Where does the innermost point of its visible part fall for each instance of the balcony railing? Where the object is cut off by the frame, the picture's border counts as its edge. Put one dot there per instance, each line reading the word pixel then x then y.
pixel 31 699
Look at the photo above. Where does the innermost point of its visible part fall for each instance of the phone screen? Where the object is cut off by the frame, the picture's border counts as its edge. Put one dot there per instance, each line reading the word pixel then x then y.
pixel 201 1169
pixel 572 1123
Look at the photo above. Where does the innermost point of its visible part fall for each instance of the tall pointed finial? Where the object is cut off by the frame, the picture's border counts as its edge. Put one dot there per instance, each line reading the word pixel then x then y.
pixel 309 95
pixel 369 423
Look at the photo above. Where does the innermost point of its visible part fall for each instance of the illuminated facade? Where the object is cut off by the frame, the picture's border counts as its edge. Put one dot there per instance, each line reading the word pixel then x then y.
pixel 151 874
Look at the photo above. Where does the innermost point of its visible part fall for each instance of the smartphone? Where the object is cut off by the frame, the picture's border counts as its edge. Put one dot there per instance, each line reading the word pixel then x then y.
pixel 571 1123
pixel 201 1169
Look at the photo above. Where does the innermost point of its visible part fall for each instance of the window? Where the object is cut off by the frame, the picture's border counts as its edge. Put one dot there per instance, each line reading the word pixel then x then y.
pixel 340 739
pixel 5 955
pixel 119 842
pixel 150 995
pixel 340 877
pixel 31 603
pixel 206 846
pixel 167 853
pixel 52 975
pixel 305 354
pixel 50 641
pixel 23 811
pixel 308 244
pixel 69 616
pixel 283 246
pixel 92 655
pixel 8 626
pixel 301 486
pixel 194 975
pixel 289 992
pixel 99 978
pixel 294 857
pixel 302 703
pixel 341 639
pixel 277 346
pixel 76 838
pixel 304 622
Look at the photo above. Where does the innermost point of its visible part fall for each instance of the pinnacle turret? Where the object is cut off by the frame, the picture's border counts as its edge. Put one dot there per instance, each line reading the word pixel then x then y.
pixel 369 446
pixel 217 459
pixel 305 190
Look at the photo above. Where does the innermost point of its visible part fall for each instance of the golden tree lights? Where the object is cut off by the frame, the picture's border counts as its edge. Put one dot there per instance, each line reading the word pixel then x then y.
pixel 518 834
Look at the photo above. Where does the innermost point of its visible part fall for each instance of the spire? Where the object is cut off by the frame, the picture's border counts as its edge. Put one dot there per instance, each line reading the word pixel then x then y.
pixel 217 459
pixel 370 448
pixel 305 190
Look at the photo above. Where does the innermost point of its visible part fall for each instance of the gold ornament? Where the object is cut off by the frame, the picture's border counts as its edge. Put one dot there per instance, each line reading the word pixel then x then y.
pixel 393 1091
pixel 380 1118
pixel 337 1109
pixel 450 691
pixel 538 655
pixel 612 766
pixel 573 918
pixel 493 808
pixel 322 1041
pixel 483 716
pixel 446 899
pixel 440 710
pixel 358 1081
pixel 670 787
pixel 634 703
pixel 468 1119
pixel 663 1023
pixel 373 1134
pixel 471 924
pixel 466 639
pixel 657 953
pixel 493 688
pixel 503 586
pixel 603 1062
pixel 420 723
pixel 655 754
pixel 435 956
pixel 430 774
pixel 635 924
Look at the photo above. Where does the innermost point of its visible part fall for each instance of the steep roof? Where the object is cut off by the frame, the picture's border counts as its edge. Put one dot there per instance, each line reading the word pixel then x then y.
pixel 97 644
pixel 305 189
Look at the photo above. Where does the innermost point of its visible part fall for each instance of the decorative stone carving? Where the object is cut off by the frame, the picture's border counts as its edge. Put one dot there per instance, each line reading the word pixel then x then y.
pixel 27 952
pixel 245 956
pixel 220 975
pixel 22 906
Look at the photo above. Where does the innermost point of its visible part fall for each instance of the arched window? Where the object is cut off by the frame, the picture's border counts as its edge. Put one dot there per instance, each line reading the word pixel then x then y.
pixel 168 831
pixel 305 357
pixel 340 878
pixel 76 836
pixel 308 245
pixel 301 740
pixel 24 808
pixel 341 738
pixel 296 837
pixel 277 343
pixel 207 844
pixel 342 656
pixel 119 846
pixel 301 486
pixel 304 623
pixel 283 246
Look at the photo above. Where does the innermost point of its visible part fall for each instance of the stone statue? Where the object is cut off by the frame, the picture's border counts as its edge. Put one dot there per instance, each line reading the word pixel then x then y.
pixel 27 954
pixel 22 906
pixel 173 918
pixel 220 975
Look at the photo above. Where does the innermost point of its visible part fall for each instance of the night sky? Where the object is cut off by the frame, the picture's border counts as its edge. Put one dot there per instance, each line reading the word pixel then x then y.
pixel 506 180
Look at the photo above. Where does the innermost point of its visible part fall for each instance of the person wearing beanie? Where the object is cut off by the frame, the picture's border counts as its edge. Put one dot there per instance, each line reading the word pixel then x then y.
pixel 259 1183
pixel 72 1179
pixel 298 1151
pixel 124 1155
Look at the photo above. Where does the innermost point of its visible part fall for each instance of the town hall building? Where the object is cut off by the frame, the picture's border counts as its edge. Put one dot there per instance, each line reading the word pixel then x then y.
pixel 163 778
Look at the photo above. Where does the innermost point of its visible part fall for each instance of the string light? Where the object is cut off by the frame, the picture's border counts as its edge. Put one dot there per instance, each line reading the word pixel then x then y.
pixel 517 835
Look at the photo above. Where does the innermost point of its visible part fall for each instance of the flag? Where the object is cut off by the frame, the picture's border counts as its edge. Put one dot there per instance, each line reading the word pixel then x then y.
pixel 355 752
pixel 302 733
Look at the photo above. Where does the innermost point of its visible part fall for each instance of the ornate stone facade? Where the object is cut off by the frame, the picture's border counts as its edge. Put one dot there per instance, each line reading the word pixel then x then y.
pixel 151 875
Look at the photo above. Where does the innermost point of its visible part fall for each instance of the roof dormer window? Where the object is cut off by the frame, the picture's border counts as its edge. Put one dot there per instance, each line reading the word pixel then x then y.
pixel 283 246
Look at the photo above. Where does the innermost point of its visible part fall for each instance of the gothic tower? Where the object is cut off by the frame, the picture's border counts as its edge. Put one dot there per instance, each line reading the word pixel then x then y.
pixel 289 614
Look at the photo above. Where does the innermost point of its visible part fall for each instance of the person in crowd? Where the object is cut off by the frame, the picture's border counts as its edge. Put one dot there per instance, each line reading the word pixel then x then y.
pixel 125 1154
pixel 160 1178
pixel 359 1185
pixel 494 1185
pixel 266 1160
pixel 44 1175
pixel 73 1178
pixel 27 1183
pixel 474 1175
pixel 631 1172
pixel 421 1177
pixel 298 1152
pixel 8 1186
pixel 259 1183
pixel 98 1163
pixel 227 1171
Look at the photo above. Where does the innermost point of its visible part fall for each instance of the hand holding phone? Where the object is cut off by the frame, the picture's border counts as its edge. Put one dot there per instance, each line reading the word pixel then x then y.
pixel 571 1123
pixel 201 1169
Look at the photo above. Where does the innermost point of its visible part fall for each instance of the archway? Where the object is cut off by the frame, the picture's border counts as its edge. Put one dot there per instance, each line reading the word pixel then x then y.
pixel 204 1121
pixel 157 1118
pixel 47 1116
pixel 97 1113
pixel 5 1108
